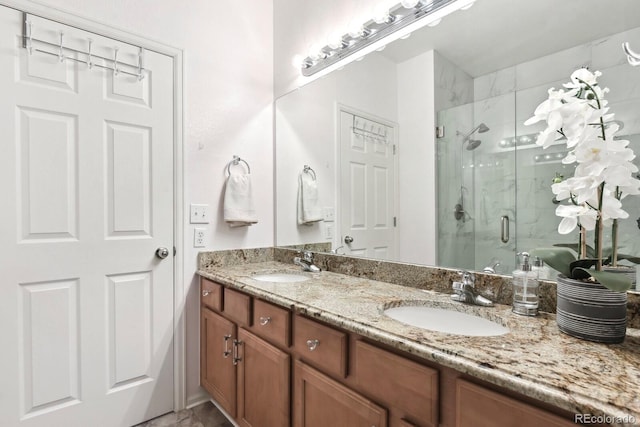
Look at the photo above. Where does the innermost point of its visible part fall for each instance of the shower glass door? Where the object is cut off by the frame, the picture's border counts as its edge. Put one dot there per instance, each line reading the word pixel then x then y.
pixel 477 184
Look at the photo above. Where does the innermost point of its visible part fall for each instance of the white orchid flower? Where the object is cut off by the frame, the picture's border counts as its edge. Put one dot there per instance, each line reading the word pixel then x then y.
pixel 573 215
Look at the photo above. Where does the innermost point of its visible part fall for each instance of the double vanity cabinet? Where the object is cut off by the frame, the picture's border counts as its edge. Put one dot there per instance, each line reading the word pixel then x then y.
pixel 267 365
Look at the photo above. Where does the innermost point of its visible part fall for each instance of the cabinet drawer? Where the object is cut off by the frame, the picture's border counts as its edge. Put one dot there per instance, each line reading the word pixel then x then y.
pixel 321 345
pixel 211 294
pixel 272 323
pixel 480 407
pixel 409 387
pixel 237 307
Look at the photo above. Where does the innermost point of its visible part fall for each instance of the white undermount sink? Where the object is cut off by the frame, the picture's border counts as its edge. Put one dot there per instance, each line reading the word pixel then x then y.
pixel 280 277
pixel 447 321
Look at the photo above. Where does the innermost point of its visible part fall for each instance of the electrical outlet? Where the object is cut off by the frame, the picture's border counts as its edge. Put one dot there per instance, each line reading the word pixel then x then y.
pixel 199 237
pixel 199 214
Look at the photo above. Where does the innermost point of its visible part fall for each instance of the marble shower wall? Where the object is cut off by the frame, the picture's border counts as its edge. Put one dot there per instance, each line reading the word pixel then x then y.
pixel 503 100
pixel 454 92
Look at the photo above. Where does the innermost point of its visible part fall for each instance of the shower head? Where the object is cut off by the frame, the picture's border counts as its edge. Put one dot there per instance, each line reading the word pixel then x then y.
pixel 481 128
pixel 472 144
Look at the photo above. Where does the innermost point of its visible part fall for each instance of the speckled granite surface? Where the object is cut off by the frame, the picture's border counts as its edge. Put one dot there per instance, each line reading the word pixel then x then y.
pixel 534 358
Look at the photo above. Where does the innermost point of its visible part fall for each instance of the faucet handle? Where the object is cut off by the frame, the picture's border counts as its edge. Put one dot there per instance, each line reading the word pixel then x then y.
pixel 467 277
pixel 457 286
pixel 307 256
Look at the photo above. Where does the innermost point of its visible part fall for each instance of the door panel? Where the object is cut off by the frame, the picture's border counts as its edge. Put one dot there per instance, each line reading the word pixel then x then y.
pixel 368 207
pixel 87 181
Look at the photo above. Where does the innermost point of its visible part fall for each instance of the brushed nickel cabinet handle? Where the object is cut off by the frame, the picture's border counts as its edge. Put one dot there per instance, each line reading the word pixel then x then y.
pixel 265 320
pixel 205 292
pixel 236 352
pixel 313 344
pixel 226 351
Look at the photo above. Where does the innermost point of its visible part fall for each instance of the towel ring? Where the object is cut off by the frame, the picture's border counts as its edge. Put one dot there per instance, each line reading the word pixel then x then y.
pixel 236 160
pixel 307 169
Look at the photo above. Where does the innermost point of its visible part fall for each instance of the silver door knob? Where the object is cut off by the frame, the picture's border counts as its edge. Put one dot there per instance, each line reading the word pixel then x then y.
pixel 348 239
pixel 162 253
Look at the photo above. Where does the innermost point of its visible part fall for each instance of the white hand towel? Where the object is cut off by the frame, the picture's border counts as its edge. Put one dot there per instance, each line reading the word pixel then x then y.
pixel 308 209
pixel 238 201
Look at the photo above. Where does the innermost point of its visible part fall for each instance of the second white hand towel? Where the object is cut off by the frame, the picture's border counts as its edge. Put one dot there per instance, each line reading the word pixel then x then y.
pixel 238 201
pixel 308 209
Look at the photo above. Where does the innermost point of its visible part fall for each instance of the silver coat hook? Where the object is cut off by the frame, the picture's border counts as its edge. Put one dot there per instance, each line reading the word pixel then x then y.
pixel 115 62
pixel 89 59
pixel 140 64
pixel 61 52
pixel 29 29
pixel 632 57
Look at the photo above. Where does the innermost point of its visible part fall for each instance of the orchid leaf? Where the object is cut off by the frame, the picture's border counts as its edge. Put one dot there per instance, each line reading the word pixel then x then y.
pixel 576 248
pixel 577 267
pixel 614 281
pixel 631 258
pixel 559 258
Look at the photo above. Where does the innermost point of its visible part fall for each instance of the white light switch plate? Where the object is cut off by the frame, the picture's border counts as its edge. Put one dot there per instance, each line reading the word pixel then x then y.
pixel 328 231
pixel 199 214
pixel 329 214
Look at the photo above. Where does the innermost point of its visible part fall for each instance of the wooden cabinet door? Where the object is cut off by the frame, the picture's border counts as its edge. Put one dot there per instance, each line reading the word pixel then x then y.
pixel 320 401
pixel 477 406
pixel 217 372
pixel 263 383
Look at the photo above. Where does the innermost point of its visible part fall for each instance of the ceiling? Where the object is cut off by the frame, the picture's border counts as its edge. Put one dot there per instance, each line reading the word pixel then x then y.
pixel 496 34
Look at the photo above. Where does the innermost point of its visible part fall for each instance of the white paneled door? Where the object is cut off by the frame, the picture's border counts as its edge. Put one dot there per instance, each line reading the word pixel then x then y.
pixel 367 183
pixel 86 180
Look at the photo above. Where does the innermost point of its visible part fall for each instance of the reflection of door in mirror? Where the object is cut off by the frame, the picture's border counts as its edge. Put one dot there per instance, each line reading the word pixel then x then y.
pixel 368 182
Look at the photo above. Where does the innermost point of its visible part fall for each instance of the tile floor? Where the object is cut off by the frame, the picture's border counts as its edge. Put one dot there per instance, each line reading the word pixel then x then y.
pixel 205 415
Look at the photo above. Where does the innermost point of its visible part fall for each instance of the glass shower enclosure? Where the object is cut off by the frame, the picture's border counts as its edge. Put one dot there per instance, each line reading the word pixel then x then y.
pixel 494 182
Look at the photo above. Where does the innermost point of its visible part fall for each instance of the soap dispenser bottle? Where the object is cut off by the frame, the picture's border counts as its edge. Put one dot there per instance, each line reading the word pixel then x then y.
pixel 525 288
pixel 541 269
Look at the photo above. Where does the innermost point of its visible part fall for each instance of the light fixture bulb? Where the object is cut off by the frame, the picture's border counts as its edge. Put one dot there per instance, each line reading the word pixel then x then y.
pixel 410 4
pixel 381 14
pixel 405 37
pixel 335 41
pixel 381 48
pixel 356 31
pixel 297 61
pixel 316 52
pixel 434 23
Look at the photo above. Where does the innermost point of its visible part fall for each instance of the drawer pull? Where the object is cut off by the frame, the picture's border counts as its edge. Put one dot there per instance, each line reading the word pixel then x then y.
pixel 226 351
pixel 265 320
pixel 236 355
pixel 205 292
pixel 313 344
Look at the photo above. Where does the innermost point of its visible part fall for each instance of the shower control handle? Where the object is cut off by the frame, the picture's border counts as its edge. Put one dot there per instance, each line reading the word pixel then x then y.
pixel 504 229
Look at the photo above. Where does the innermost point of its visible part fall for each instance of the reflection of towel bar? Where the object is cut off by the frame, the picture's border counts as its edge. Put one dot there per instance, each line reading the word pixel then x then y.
pixel 307 169
pixel 236 160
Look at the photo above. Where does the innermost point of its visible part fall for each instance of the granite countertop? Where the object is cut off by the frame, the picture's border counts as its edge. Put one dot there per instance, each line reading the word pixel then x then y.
pixel 534 358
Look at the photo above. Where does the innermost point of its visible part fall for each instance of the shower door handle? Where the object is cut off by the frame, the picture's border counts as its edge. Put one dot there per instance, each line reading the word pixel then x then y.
pixel 504 228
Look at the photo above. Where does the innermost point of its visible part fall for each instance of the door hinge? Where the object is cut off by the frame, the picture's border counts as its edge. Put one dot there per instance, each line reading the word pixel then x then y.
pixel 394 148
pixel 175 251
pixel 439 131
pixel 395 221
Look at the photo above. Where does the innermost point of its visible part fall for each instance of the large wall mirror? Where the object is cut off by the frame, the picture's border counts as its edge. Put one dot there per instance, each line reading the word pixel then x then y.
pixel 419 151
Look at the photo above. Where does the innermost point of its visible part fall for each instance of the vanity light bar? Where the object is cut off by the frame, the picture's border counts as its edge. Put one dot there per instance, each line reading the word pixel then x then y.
pixel 374 30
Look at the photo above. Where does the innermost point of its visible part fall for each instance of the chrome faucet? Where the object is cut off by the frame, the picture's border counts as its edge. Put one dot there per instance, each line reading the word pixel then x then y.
pixel 466 292
pixel 306 262
pixel 491 268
